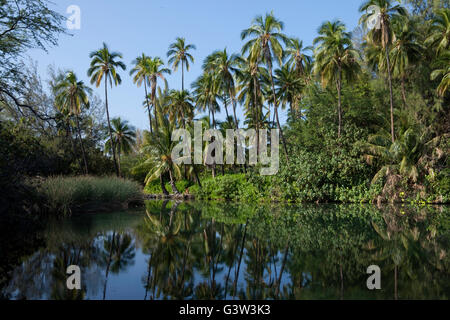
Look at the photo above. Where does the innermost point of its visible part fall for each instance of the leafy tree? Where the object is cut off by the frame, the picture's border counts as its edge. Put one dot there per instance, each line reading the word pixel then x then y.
pixel 124 138
pixel 335 59
pixel 264 46
pixel 104 65
pixel 141 72
pixel 179 52
pixel 72 96
pixel 383 36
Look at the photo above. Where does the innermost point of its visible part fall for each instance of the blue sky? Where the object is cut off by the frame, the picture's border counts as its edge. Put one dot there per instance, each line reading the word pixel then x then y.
pixel 136 26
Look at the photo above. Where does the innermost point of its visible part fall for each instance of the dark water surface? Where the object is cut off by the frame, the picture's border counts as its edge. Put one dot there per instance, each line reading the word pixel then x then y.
pixel 205 250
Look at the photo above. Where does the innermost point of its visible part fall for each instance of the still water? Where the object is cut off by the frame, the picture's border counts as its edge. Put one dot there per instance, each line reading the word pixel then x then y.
pixel 206 250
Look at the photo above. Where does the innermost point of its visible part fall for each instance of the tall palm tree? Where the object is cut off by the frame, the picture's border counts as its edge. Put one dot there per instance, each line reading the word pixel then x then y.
pixel 383 36
pixel 335 59
pixel 405 51
pixel 71 98
pixel 264 46
pixel 124 137
pixel 156 70
pixel 225 67
pixel 104 65
pixel 440 31
pixel 141 72
pixel 179 52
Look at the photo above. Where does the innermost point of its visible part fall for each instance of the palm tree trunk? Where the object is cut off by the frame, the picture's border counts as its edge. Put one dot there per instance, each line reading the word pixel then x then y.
pixel 82 145
pixel 172 183
pixel 182 75
pixel 403 91
pixel 236 278
pixel 154 103
pixel 148 105
pixel 108 264
pixel 276 113
pixel 234 110
pixel 109 127
pixel 286 251
pixel 391 95
pixel 339 88
pixel 256 113
pixel 118 160
pixel 163 186
pixel 226 107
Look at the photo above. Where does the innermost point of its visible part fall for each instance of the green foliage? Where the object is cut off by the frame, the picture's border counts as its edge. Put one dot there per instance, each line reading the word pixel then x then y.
pixel 63 195
pixel 154 187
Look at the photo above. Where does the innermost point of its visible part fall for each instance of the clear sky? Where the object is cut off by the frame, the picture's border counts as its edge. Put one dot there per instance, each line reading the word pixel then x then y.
pixel 136 26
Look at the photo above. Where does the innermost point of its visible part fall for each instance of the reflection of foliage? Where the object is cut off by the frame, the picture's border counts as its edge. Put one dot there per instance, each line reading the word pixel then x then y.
pixel 194 250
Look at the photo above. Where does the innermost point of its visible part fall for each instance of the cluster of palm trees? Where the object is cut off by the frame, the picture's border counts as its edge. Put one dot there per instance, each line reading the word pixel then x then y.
pixel 253 81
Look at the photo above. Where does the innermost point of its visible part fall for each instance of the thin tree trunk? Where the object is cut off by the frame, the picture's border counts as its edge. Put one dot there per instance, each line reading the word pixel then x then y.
pixel 172 183
pixel 286 251
pixel 226 107
pixel 148 105
pixel 118 160
pixel 182 75
pixel 391 96
pixel 396 282
pixel 236 278
pixel 339 88
pixel 276 114
pixel 154 103
pixel 109 127
pixel 108 264
pixel 163 186
pixel 233 101
pixel 82 145
pixel 403 91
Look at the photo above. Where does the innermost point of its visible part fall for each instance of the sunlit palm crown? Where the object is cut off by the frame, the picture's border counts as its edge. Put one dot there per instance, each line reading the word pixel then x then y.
pixel 179 52
pixel 266 34
pixel 71 94
pixel 440 31
pixel 334 52
pixel 388 9
pixel 105 64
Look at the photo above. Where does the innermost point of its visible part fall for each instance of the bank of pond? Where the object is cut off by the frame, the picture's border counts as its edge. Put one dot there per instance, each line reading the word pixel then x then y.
pixel 222 250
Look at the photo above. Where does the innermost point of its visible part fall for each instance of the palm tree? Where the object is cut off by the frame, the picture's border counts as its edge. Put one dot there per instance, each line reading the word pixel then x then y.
pixel 297 57
pixel 224 67
pixel 141 73
pixel 443 65
pixel 335 59
pixel 71 97
pixel 289 87
pixel 156 70
pixel 405 51
pixel 264 47
pixel 158 148
pixel 383 37
pixel 440 31
pixel 180 107
pixel 104 65
pixel 124 138
pixel 179 52
pixel 206 93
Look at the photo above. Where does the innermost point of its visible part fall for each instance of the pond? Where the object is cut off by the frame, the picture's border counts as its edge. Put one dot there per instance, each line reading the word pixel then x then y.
pixel 208 250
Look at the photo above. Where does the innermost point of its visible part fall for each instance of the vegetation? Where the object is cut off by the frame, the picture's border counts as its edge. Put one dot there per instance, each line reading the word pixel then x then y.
pixel 65 195
pixel 368 116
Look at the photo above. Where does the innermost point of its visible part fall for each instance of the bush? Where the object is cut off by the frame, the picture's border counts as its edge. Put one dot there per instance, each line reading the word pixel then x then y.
pixel 154 187
pixel 66 194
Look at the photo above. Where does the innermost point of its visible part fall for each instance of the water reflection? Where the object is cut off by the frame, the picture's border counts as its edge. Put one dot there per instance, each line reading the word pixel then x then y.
pixel 174 250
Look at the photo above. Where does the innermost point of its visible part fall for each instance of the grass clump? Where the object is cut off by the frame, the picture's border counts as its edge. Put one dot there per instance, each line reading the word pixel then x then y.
pixel 67 194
